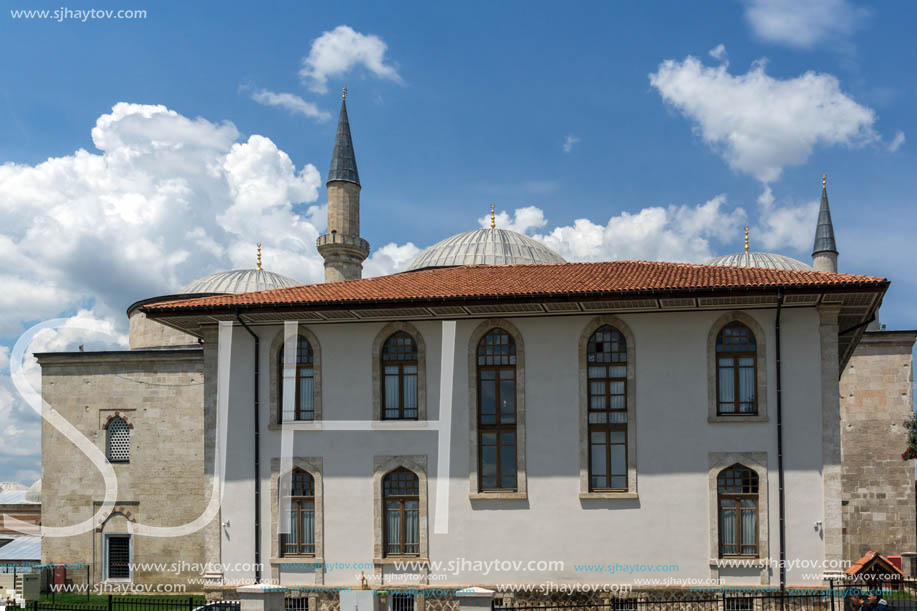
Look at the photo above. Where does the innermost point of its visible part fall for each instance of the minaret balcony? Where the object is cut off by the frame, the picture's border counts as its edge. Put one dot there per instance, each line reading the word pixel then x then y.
pixel 336 242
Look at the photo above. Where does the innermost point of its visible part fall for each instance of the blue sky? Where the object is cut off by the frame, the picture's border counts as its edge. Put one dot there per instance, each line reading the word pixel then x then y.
pixel 548 111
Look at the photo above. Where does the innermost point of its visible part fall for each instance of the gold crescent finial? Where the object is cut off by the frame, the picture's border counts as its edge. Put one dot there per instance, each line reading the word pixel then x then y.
pixel 259 256
pixel 493 218
pixel 344 94
pixel 746 239
pixel 824 180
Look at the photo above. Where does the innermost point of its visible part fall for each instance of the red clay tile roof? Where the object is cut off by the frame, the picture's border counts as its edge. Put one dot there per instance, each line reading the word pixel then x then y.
pixel 550 280
pixel 867 560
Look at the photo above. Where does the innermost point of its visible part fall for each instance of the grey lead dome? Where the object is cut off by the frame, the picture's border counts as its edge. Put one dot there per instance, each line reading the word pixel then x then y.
pixel 485 247
pixel 760 259
pixel 239 281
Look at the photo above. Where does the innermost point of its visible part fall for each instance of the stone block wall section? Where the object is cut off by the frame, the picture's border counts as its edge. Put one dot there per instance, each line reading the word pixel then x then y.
pixel 164 484
pixel 145 333
pixel 876 392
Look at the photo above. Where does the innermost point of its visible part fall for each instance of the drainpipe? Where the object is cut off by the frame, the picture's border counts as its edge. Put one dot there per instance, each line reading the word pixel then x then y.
pixel 257 411
pixel 782 505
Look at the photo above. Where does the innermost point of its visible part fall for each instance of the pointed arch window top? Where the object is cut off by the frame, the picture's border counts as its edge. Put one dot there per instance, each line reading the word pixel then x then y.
pixel 401 482
pixel 737 479
pixel 303 483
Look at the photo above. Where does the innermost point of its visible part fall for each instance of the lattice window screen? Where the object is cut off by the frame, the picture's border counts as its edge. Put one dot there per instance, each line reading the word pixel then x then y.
pixel 119 441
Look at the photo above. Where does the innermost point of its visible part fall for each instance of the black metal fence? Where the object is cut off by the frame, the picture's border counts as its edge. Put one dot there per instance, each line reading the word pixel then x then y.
pixel 138 603
pixel 898 596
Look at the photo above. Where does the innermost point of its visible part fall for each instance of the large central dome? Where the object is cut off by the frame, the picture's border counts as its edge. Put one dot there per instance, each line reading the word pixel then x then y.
pixel 485 247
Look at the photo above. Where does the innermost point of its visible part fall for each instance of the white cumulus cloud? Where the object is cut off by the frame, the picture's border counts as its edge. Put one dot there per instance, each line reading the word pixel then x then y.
pixel 898 140
pixel 339 51
pixel 522 220
pixel 760 124
pixel 390 259
pixel 163 200
pixel 802 25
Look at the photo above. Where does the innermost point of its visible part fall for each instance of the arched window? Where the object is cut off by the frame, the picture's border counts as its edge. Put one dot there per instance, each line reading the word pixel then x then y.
pixel 401 502
pixel 606 357
pixel 118 440
pixel 300 541
pixel 737 498
pixel 399 377
pixel 736 371
pixel 304 407
pixel 497 411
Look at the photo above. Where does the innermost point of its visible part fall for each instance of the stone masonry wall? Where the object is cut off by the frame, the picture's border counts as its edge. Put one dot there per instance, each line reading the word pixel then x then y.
pixel 164 484
pixel 877 486
pixel 146 333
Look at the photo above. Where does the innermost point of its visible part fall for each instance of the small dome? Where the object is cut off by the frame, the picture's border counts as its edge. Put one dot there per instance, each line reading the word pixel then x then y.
pixel 760 259
pixel 239 281
pixel 485 247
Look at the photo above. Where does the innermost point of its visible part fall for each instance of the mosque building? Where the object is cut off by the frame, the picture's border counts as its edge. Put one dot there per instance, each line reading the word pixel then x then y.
pixel 491 401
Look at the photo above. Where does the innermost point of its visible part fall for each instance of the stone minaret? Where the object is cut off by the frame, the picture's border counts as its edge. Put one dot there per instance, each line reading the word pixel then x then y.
pixel 342 247
pixel 824 252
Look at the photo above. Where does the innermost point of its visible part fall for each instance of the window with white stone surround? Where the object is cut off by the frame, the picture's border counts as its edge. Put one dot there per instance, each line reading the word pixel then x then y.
pixel 608 410
pixel 736 369
pixel 496 384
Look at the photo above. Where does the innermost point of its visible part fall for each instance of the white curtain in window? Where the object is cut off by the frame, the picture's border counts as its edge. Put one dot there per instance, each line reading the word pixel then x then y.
pixel 749 527
pixel 308 527
pixel 728 527
pixel 747 384
pixel 410 391
pixel 727 384
pixel 393 528
pixel 412 530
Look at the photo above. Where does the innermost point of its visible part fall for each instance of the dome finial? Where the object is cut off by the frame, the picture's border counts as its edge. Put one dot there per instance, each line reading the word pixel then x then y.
pixel 344 94
pixel 824 180
pixel 493 218
pixel 259 256
pixel 746 238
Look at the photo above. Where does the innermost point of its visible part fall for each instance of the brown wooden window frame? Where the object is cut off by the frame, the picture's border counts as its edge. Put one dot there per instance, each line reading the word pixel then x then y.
pixel 736 355
pixel 746 490
pixel 388 359
pixel 496 362
pixel 408 492
pixel 305 361
pixel 302 493
pixel 618 359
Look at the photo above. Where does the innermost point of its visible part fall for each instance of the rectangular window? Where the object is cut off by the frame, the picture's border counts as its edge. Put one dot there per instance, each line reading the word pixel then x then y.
pixel 738 527
pixel 295 604
pixel 607 423
pixel 402 601
pixel 497 429
pixel 301 538
pixel 118 557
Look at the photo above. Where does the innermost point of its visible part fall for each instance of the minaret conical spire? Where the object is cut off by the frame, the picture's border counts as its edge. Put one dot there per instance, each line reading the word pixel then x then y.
pixel 342 248
pixel 824 250
pixel 343 159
